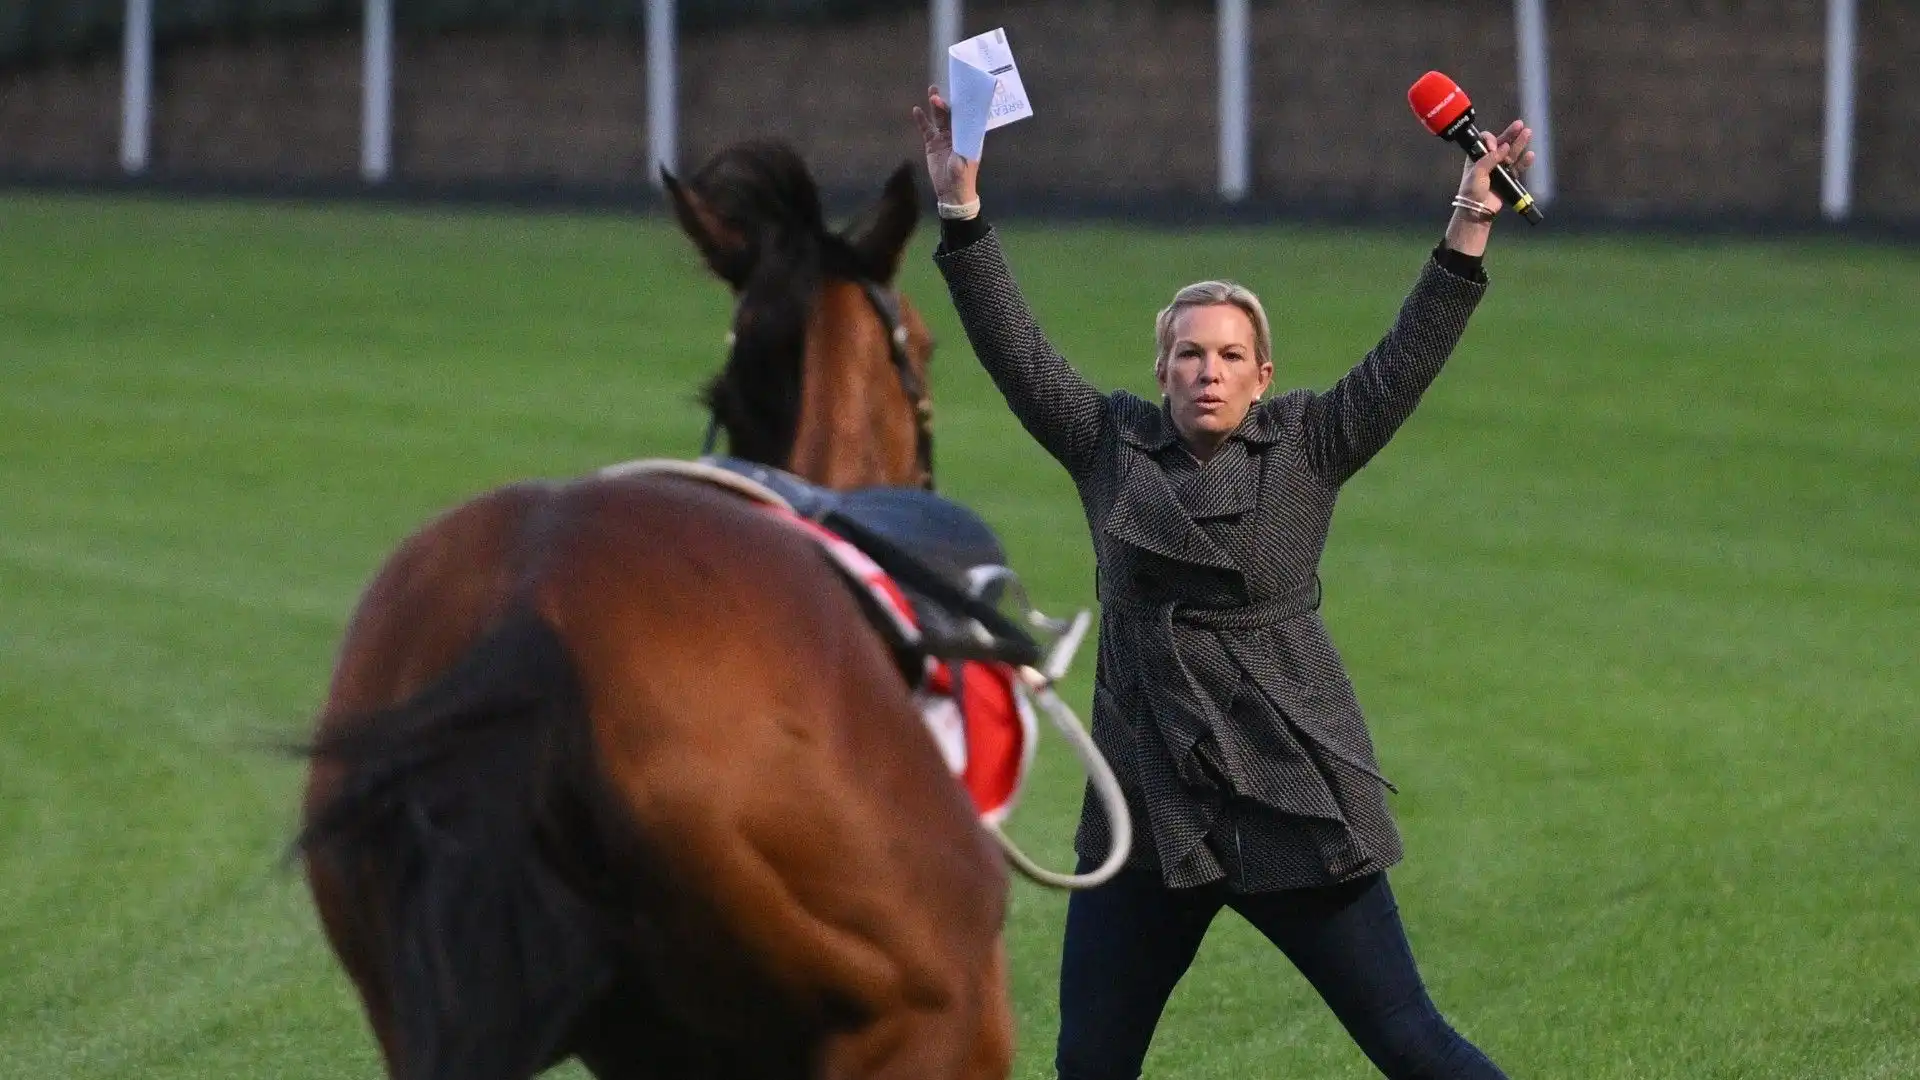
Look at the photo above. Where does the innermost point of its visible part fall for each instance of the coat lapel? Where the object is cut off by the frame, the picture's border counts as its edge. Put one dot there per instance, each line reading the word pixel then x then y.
pixel 1225 486
pixel 1145 512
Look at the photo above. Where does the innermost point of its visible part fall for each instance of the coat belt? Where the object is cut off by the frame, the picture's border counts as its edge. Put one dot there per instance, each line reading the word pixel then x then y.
pixel 1259 615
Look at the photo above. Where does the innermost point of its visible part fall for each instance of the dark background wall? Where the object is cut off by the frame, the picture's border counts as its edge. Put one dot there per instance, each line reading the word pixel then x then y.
pixel 1661 108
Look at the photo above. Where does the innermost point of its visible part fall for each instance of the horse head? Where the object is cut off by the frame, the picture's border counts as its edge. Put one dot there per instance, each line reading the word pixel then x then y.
pixel 827 372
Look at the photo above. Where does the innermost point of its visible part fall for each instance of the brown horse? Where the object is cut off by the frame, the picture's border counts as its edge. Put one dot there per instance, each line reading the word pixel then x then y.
pixel 617 769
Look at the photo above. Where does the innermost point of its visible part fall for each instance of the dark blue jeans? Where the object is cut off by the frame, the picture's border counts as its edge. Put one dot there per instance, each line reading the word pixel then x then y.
pixel 1129 941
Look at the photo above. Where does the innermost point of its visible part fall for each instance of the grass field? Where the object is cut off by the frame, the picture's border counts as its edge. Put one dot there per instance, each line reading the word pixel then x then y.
pixel 1633 604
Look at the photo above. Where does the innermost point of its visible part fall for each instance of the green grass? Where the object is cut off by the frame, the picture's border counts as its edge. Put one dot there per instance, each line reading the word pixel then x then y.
pixel 1633 603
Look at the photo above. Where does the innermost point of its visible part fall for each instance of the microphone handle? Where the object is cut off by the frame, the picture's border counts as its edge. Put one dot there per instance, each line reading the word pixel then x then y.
pixel 1505 184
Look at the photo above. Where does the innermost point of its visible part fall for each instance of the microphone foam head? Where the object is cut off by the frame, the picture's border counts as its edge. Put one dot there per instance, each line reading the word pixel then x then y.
pixel 1437 100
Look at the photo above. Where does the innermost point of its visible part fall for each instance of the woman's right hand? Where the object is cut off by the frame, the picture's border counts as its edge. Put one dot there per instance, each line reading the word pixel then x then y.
pixel 955 179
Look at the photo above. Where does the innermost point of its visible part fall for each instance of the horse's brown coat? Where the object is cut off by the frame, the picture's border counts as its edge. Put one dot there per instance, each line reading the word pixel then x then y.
pixel 781 878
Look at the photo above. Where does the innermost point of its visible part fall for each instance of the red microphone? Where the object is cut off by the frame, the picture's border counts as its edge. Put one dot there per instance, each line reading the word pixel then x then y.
pixel 1441 105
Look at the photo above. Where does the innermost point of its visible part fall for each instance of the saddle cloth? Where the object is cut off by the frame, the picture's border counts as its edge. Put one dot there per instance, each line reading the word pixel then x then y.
pixel 977 711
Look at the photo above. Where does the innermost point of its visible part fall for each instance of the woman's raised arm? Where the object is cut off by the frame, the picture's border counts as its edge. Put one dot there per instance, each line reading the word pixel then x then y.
pixel 1349 424
pixel 1057 406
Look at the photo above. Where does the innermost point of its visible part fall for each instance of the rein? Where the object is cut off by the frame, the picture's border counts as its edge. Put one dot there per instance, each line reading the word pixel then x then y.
pixel 886 305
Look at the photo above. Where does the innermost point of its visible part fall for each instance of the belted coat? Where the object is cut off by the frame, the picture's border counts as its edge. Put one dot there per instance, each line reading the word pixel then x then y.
pixel 1219 698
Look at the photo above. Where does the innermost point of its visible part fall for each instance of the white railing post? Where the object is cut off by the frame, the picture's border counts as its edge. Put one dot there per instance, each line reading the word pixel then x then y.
pixel 376 92
pixel 1836 152
pixel 663 80
pixel 943 29
pixel 1530 32
pixel 1234 118
pixel 136 88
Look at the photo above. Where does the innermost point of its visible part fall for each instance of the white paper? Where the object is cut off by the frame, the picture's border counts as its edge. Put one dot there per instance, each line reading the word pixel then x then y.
pixel 983 90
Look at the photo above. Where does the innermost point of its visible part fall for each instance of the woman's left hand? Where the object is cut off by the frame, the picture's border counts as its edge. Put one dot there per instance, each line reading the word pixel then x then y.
pixel 1509 148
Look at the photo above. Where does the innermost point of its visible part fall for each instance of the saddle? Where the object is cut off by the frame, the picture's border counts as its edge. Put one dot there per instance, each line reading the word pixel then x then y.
pixel 946 560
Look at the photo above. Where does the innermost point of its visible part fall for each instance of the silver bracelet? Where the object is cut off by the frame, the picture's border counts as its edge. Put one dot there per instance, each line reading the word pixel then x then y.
pixel 1474 206
pixel 958 211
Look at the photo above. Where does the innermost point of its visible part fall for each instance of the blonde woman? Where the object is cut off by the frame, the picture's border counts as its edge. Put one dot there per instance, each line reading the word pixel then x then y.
pixel 1219 698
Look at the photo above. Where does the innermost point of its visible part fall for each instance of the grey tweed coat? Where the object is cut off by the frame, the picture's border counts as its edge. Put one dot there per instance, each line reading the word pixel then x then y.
pixel 1219 698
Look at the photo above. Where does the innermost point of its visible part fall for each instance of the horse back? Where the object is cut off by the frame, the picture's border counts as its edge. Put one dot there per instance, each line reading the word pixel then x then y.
pixel 766 820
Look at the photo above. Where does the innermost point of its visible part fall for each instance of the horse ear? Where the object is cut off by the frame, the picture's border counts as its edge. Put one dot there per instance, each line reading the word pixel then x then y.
pixel 879 235
pixel 724 247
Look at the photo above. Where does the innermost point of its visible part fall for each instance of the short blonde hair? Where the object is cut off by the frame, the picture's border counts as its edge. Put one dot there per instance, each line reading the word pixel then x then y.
pixel 1207 294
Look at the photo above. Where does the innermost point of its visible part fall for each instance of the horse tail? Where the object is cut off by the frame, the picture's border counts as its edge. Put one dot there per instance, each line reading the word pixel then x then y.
pixel 447 827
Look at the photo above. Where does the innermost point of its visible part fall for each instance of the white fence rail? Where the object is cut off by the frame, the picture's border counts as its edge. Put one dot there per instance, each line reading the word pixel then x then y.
pixel 136 88
pixel 1530 51
pixel 1836 154
pixel 663 88
pixel 943 29
pixel 376 93
pixel 1235 109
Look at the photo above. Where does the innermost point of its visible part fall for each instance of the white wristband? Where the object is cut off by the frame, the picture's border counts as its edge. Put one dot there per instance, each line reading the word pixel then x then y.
pixel 959 211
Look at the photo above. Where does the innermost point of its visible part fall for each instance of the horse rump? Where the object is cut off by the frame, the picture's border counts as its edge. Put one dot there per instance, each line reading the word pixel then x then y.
pixel 462 835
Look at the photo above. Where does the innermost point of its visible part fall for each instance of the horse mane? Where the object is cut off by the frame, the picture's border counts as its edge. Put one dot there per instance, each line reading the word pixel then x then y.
pixel 762 190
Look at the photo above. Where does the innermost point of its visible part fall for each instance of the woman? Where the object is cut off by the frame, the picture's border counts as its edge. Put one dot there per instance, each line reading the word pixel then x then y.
pixel 1219 698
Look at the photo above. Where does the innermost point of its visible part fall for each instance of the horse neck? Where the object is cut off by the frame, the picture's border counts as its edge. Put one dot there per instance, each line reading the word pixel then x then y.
pixel 856 426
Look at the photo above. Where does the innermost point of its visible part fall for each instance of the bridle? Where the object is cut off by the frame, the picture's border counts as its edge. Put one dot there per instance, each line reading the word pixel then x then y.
pixel 886 305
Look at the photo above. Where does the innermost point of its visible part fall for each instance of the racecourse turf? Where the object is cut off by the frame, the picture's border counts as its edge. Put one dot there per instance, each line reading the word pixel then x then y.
pixel 1633 604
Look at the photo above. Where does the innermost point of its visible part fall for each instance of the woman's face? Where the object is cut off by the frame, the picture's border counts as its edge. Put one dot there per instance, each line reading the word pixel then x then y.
pixel 1213 375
